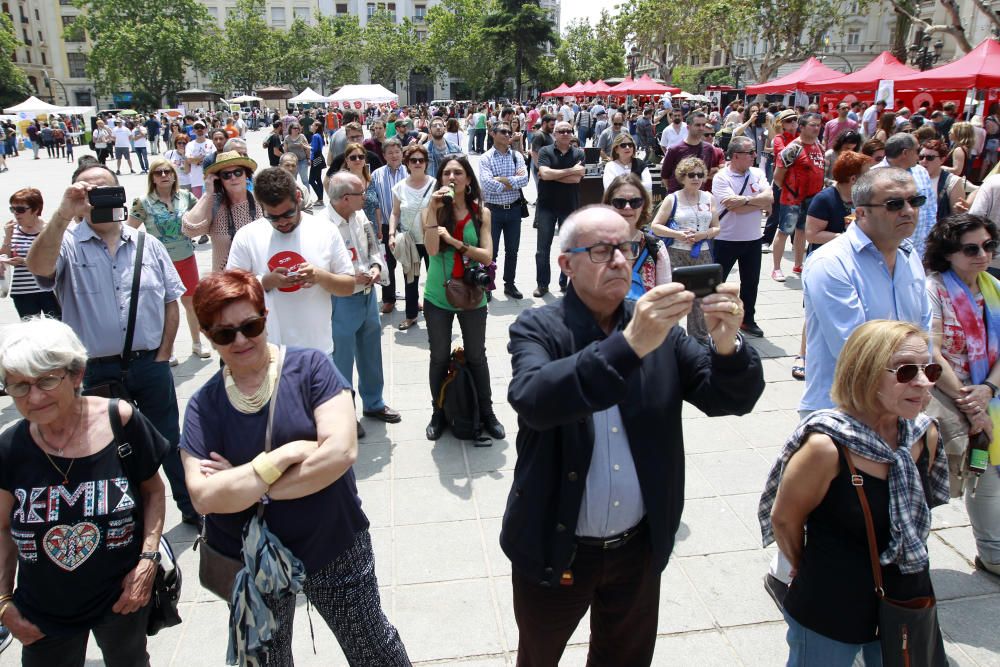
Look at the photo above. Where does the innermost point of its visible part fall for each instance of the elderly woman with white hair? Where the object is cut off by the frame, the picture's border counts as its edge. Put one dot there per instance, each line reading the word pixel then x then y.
pixel 80 517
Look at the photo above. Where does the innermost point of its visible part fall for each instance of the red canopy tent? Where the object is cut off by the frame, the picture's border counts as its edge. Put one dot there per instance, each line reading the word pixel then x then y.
pixel 588 87
pixel 644 85
pixel 601 88
pixel 979 68
pixel 811 70
pixel 885 66
pixel 576 89
pixel 558 91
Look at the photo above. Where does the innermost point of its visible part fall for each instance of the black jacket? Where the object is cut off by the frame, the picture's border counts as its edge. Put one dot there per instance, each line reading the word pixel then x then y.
pixel 564 369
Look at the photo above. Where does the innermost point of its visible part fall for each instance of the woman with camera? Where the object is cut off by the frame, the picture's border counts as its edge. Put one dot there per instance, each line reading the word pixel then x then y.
pixel 456 229
pixel 965 306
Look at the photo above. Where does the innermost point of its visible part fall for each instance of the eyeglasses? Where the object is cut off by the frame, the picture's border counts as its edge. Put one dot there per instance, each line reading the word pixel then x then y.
pixel 908 372
pixel 163 172
pixel 506 133
pixel 625 144
pixel 709 135
pixel 226 175
pixel 354 194
pixel 972 250
pixel 744 152
pixel 930 157
pixel 633 202
pixel 696 174
pixel 601 253
pixel 417 160
pixel 564 131
pixel 45 383
pixel 251 328
pixel 894 205
pixel 357 157
pixel 287 215
pixel 19 209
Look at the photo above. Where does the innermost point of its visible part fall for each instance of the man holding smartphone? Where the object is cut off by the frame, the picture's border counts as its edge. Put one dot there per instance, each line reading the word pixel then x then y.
pixel 90 269
pixel 599 482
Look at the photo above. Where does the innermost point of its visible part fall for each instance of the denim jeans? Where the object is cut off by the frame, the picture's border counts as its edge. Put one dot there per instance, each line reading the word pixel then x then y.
pixel 357 334
pixel 547 220
pixel 807 648
pixel 151 385
pixel 142 155
pixel 33 303
pixel 412 290
pixel 506 221
pixel 771 226
pixel 747 253
pixel 304 172
pixel 388 291
pixel 480 140
pixel 473 324
pixel 121 637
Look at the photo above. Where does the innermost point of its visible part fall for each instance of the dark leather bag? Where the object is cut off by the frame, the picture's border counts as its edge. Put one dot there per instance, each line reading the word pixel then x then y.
pixel 908 630
pixel 217 571
pixel 459 293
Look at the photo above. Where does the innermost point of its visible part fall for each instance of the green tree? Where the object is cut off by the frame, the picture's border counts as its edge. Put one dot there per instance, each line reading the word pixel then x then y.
pixel 587 52
pixel 13 83
pixel 299 62
pixel 457 45
pixel 338 40
pixel 524 27
pixel 244 55
pixel 391 50
pixel 146 46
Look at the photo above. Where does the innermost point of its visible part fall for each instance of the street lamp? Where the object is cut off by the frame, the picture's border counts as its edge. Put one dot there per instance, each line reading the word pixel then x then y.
pixel 920 53
pixel 737 71
pixel 632 58
pixel 47 80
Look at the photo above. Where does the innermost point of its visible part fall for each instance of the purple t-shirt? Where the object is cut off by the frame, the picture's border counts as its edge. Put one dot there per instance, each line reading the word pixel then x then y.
pixel 316 528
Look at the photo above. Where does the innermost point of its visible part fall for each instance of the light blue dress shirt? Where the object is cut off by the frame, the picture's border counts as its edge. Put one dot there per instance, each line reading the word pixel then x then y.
pixel 847 283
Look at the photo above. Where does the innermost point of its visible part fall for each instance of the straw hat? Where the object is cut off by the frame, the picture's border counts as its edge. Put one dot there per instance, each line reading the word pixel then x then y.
pixel 231 159
pixel 787 114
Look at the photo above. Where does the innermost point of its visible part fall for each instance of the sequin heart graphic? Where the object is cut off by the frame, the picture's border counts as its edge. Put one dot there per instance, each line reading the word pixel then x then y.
pixel 70 546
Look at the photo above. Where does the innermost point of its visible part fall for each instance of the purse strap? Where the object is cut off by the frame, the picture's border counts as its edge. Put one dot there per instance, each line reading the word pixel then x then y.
pixel 270 415
pixel 857 481
pixel 133 306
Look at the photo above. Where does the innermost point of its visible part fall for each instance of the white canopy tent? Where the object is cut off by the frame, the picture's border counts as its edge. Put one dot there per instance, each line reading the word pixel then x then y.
pixel 242 99
pixel 308 96
pixel 34 106
pixel 366 93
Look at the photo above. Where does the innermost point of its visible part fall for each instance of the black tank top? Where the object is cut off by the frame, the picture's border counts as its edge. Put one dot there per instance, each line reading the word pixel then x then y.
pixel 833 592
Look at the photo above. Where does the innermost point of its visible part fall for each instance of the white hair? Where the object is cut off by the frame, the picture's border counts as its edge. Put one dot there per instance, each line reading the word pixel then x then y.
pixel 574 225
pixel 39 345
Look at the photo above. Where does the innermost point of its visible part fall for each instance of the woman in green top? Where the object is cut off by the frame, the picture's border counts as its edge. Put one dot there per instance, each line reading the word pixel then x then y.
pixel 457 238
pixel 161 211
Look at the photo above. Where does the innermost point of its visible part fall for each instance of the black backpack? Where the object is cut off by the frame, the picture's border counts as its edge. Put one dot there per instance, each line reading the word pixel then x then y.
pixel 459 398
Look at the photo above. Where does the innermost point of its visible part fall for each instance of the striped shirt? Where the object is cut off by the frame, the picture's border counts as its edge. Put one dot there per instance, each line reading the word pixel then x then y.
pixel 384 178
pixel 23 282
pixel 493 164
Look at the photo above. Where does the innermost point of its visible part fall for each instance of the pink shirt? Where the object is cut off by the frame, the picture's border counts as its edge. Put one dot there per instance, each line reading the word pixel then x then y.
pixel 835 128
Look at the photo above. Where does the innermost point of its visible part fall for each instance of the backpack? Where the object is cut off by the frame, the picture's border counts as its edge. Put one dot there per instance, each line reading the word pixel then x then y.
pixel 459 398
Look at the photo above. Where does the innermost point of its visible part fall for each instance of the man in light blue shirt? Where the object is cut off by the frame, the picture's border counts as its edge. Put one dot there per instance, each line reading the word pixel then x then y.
pixel 903 151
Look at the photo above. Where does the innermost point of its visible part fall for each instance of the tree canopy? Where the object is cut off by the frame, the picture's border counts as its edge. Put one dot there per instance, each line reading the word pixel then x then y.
pixel 523 27
pixel 13 83
pixel 585 52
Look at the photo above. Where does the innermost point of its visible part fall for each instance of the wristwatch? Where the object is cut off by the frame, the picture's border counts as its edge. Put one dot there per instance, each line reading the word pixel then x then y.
pixel 151 555
pixel 993 387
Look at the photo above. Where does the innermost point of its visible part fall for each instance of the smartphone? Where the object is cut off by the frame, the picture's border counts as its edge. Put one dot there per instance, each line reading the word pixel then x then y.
pixel 701 279
pixel 108 203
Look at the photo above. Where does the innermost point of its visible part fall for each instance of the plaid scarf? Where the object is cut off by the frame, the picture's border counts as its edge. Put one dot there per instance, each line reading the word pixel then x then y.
pixel 909 515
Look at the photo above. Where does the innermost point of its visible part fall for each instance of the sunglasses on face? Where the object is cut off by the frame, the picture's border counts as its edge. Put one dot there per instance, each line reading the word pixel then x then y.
pixel 709 135
pixel 162 172
pixel 906 373
pixel 45 383
pixel 632 202
pixel 250 329
pixel 972 250
pixel 19 209
pixel 417 160
pixel 506 133
pixel 930 157
pixel 895 205
pixel 226 175
pixel 564 131
pixel 357 157
pixel 626 145
pixel 696 174
pixel 287 215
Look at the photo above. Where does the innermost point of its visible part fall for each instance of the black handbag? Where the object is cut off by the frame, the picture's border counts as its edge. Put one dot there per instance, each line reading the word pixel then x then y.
pixel 167 584
pixel 524 206
pixel 118 388
pixel 908 630
pixel 217 571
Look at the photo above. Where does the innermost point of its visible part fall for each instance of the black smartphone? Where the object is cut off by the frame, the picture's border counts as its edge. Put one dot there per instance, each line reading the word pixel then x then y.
pixel 701 279
pixel 108 203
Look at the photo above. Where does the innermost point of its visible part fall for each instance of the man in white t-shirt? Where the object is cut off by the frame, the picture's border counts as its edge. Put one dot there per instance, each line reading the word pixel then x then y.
pixel 123 144
pixel 675 132
pixel 869 119
pixel 195 153
pixel 566 113
pixel 742 195
pixel 240 124
pixel 300 261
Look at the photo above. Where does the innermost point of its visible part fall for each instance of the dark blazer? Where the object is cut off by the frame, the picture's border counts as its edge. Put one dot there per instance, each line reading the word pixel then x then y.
pixel 564 369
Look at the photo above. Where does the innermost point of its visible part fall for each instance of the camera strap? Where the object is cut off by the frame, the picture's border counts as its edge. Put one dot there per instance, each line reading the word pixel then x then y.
pixel 133 305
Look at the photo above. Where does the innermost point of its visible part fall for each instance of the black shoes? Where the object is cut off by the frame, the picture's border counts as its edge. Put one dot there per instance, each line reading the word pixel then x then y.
pixel 540 292
pixel 436 426
pixel 493 428
pixel 386 414
pixel 513 292
pixel 361 430
pixel 752 329
pixel 776 588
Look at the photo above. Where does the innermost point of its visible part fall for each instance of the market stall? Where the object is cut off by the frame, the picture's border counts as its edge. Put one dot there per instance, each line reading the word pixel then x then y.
pixel 811 71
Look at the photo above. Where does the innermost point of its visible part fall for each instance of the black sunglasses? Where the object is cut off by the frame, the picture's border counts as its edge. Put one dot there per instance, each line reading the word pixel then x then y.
pixel 357 157
pixel 633 202
pixel 907 372
pixel 972 250
pixel 163 172
pixel 506 133
pixel 696 174
pixel 19 209
pixel 897 204
pixel 226 175
pixel 287 215
pixel 626 144
pixel 250 329
pixel 417 160
pixel 564 131
pixel 929 156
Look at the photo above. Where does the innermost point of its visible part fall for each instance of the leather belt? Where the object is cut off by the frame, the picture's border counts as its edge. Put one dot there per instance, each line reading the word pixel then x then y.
pixel 505 207
pixel 117 358
pixel 615 541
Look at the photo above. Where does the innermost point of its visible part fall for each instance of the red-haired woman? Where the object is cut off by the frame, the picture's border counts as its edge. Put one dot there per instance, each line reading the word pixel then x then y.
pixel 314 445
pixel 19 233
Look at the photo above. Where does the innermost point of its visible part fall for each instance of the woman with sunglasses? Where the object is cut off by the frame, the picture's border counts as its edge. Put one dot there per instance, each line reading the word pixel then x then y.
pixel 19 235
pixel 965 325
pixel 882 380
pixel 305 481
pixel 950 188
pixel 84 554
pixel 623 161
pixel 356 162
pixel 633 202
pixel 409 199
pixel 226 206
pixel 161 211
pixel 296 143
pixel 690 218
pixel 176 157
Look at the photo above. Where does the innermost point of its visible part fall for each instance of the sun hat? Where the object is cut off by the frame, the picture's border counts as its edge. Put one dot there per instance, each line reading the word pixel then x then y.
pixel 230 159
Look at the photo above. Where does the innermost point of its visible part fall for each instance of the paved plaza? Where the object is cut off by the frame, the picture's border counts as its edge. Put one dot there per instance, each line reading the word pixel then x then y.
pixel 436 508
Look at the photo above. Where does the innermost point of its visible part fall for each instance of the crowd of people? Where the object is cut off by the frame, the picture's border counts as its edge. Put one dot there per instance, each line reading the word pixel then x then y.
pixel 893 222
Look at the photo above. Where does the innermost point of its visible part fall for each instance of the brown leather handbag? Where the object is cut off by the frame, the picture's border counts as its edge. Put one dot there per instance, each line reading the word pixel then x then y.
pixel 459 293
pixel 217 571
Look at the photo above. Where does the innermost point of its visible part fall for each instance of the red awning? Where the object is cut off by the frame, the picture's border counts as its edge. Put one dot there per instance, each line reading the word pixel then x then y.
pixel 885 66
pixel 644 85
pixel 811 71
pixel 600 87
pixel 558 91
pixel 588 87
pixel 576 89
pixel 979 68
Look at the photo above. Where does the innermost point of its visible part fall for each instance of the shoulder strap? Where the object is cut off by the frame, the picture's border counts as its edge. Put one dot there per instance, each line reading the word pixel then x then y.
pixel 673 211
pixel 858 482
pixel 124 448
pixel 270 414
pixel 133 306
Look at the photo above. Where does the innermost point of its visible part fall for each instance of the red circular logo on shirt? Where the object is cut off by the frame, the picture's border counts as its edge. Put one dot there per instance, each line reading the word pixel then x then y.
pixel 287 259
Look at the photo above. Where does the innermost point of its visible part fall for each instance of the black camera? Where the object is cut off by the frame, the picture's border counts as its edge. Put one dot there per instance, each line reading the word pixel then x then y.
pixel 761 117
pixel 477 276
pixel 108 203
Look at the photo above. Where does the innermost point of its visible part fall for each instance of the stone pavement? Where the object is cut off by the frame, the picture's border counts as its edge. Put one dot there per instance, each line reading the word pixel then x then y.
pixel 436 508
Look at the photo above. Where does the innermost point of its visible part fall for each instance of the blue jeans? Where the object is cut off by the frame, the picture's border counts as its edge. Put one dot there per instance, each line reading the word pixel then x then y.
pixel 807 648
pixel 508 222
pixel 304 172
pixel 357 334
pixel 151 385
pixel 142 154
pixel 547 220
pixel 582 134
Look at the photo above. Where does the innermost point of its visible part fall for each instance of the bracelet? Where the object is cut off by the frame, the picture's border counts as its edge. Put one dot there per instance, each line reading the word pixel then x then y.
pixel 463 249
pixel 265 469
pixel 4 606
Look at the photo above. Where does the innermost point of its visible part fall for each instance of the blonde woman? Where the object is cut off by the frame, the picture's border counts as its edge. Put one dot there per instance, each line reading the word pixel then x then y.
pixel 356 162
pixel 623 161
pixel 959 160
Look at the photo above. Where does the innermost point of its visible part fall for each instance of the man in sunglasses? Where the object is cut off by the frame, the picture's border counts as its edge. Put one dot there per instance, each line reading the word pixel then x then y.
pixel 560 170
pixel 607 137
pixel 903 152
pixel 90 269
pixel 599 481
pixel 502 174
pixel 299 259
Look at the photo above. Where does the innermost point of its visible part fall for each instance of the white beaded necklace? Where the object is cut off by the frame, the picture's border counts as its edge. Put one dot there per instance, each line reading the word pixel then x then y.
pixel 252 404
